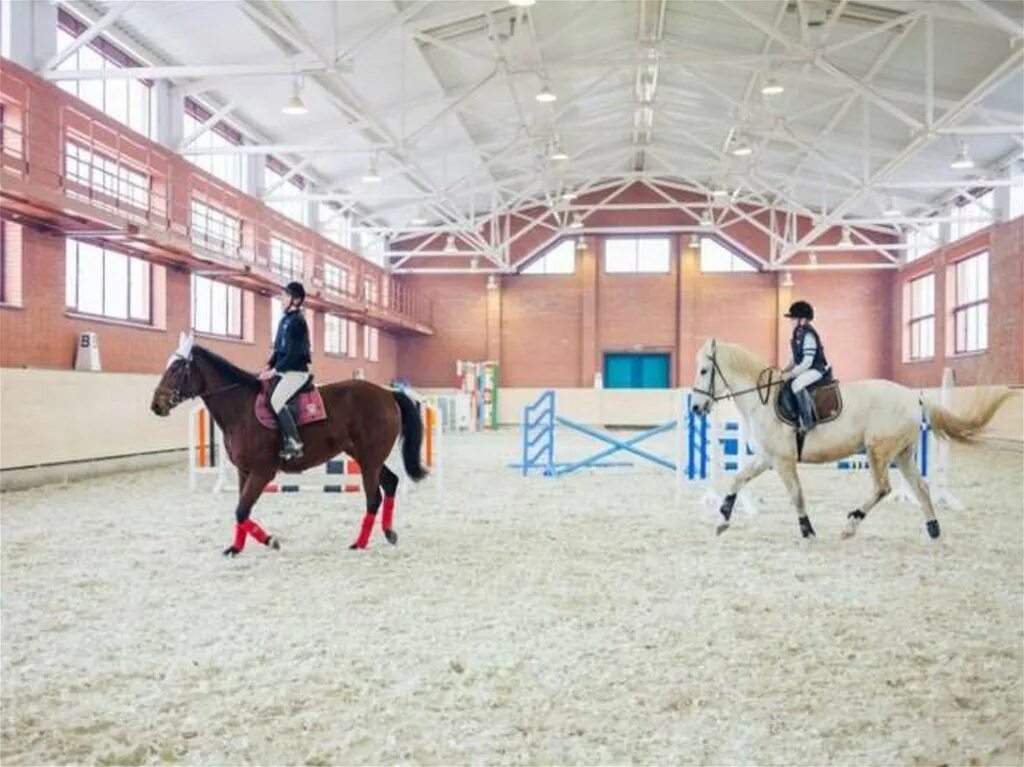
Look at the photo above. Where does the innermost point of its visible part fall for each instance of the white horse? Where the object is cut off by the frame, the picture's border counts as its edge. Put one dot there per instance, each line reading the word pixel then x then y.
pixel 880 416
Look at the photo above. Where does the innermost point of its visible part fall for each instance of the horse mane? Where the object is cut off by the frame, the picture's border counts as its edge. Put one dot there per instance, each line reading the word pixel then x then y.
pixel 228 369
pixel 741 360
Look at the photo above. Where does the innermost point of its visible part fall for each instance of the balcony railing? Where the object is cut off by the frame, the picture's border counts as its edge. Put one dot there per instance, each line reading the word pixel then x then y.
pixel 138 189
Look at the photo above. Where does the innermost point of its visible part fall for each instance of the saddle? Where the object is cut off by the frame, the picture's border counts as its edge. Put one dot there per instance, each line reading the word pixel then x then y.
pixel 307 405
pixel 828 403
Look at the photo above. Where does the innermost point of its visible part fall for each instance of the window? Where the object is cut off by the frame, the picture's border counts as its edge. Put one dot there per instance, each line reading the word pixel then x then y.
pixel 227 167
pixel 335 335
pixel 335 277
pixel 560 259
pixel 127 101
pixel 923 240
pixel 279 193
pixel 353 335
pixel 1016 207
pixel 215 229
pixel 648 255
pixel 922 317
pixel 106 283
pixel 715 257
pixel 118 185
pixel 371 339
pixel 276 310
pixel 970 305
pixel 369 290
pixel 972 216
pixel 216 308
pixel 335 225
pixel 285 259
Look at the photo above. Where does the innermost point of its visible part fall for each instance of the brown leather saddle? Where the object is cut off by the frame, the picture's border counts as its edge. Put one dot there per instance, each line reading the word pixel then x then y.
pixel 828 404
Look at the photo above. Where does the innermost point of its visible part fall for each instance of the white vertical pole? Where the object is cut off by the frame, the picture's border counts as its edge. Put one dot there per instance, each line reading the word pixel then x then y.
pixel 439 460
pixel 682 424
pixel 192 418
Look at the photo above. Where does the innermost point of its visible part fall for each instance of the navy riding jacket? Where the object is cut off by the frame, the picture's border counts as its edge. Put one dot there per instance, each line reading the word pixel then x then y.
pixel 291 344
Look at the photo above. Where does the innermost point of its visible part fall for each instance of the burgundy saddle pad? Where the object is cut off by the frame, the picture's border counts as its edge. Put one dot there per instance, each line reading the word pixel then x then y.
pixel 308 403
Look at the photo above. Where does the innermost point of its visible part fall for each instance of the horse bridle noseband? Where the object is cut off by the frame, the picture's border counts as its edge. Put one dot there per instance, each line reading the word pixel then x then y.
pixel 177 397
pixel 762 390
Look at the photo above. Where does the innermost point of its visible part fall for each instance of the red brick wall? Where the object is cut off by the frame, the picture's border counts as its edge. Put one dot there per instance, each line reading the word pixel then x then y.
pixel 40 333
pixel 460 329
pixel 547 323
pixel 1003 362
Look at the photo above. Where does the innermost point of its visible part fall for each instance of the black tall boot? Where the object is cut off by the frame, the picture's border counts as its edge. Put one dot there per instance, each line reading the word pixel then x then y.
pixel 805 404
pixel 291 445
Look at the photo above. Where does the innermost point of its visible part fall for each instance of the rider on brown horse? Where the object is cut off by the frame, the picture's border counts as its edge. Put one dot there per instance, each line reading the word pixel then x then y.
pixel 290 361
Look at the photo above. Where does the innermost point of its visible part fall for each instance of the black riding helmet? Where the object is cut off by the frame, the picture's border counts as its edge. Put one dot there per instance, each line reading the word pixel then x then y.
pixel 295 290
pixel 800 310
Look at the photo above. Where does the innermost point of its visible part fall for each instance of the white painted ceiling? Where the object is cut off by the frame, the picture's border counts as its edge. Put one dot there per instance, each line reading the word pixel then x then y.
pixel 442 94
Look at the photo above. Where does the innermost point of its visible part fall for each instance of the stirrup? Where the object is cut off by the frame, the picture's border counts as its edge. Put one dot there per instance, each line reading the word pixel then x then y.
pixel 291 449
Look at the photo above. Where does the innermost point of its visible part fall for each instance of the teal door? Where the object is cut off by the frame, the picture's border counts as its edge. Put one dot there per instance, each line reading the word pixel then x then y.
pixel 637 371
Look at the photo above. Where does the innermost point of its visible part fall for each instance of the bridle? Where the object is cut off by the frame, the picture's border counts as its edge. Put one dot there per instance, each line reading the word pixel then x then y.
pixel 177 396
pixel 716 371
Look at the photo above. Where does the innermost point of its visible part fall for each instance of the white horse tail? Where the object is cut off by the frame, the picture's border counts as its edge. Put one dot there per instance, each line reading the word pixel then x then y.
pixel 966 427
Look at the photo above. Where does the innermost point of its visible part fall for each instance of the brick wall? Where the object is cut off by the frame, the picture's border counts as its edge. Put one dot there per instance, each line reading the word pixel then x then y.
pixel 40 333
pixel 555 330
pixel 1003 362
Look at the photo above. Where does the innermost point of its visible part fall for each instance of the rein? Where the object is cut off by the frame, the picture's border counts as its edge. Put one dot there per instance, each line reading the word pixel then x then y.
pixel 763 389
pixel 177 397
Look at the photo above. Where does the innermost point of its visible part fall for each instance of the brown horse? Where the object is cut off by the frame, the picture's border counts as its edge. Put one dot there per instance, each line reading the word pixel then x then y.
pixel 363 421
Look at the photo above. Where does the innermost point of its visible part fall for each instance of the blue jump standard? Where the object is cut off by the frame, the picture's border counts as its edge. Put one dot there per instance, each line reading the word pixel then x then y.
pixel 538 443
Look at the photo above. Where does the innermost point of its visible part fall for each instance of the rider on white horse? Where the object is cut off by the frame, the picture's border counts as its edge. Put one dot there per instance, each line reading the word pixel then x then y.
pixel 809 364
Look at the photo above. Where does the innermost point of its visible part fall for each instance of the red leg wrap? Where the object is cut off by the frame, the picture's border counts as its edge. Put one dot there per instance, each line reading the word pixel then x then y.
pixel 364 532
pixel 257 532
pixel 387 513
pixel 241 528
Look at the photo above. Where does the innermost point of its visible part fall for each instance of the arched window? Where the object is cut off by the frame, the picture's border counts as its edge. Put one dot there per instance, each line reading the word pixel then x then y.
pixel 561 259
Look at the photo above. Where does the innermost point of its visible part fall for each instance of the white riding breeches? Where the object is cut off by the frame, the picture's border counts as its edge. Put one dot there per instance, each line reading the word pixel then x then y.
pixel 805 379
pixel 290 383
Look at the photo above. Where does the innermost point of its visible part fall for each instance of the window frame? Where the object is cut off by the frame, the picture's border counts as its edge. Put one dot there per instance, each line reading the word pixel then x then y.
pixel 539 266
pixel 915 321
pixel 637 240
pixel 960 310
pixel 293 251
pixel 210 237
pixel 112 55
pixel 130 318
pixel 194 286
pixel 734 257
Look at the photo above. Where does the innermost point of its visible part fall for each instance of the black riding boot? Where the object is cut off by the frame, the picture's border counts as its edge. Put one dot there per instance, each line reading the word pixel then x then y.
pixel 805 404
pixel 291 445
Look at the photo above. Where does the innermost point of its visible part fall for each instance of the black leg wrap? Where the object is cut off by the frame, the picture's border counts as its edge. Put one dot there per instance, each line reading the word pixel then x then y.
pixel 933 528
pixel 856 514
pixel 726 508
pixel 805 528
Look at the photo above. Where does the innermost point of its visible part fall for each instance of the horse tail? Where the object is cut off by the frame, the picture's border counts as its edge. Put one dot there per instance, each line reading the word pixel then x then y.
pixel 412 436
pixel 967 427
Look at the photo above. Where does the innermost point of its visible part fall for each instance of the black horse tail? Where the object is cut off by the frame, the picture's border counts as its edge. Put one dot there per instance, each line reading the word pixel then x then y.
pixel 412 436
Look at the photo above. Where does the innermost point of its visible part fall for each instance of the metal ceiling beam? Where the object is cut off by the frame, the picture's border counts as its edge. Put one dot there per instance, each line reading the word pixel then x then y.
pixel 186 71
pixel 994 18
pixel 91 33
pixel 1008 68
pixel 207 125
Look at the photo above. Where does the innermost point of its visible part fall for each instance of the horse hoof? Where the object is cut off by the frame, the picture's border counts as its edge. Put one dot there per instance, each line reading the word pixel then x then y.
pixel 392 536
pixel 933 529
pixel 274 543
pixel 721 528
pixel 356 547
pixel 231 551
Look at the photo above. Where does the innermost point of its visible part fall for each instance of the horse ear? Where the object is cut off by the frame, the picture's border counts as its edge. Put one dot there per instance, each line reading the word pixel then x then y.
pixel 185 343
